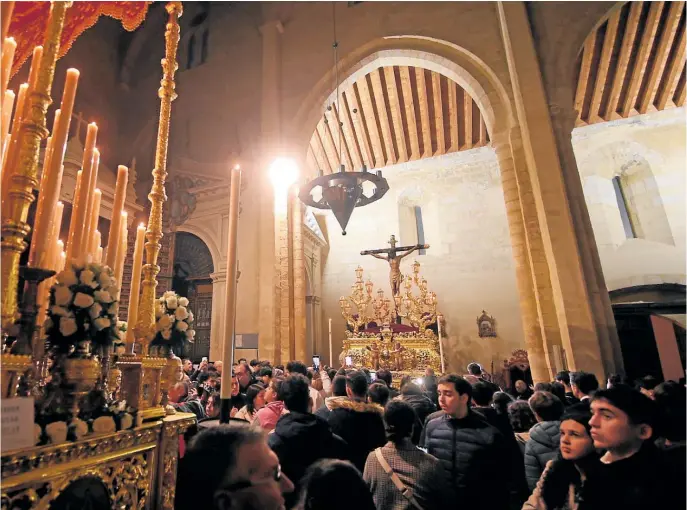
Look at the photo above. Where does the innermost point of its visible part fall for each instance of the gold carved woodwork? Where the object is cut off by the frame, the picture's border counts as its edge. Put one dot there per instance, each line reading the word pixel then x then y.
pixel 12 368
pixel 173 427
pixel 419 309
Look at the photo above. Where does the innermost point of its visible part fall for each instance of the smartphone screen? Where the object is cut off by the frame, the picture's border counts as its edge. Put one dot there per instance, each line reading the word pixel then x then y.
pixel 373 376
pixel 316 362
pixel 349 361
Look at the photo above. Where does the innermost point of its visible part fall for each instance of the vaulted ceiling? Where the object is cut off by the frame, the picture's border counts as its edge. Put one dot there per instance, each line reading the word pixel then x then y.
pixel 633 63
pixel 393 115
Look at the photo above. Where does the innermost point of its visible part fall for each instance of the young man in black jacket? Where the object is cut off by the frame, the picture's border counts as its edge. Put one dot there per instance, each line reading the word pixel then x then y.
pixel 301 438
pixel 470 450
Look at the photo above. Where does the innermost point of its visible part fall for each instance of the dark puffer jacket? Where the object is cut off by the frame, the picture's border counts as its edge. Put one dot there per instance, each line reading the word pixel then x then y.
pixel 543 445
pixel 359 424
pixel 472 452
pixel 300 439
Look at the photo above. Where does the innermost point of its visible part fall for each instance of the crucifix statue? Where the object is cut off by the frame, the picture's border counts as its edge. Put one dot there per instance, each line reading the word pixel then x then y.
pixel 394 256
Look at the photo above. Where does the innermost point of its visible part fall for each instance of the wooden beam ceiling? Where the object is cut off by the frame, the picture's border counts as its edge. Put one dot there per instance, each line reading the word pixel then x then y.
pixel 393 115
pixel 632 63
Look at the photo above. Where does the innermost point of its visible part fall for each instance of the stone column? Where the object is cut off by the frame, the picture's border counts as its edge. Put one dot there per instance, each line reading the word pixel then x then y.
pixel 283 335
pixel 578 329
pixel 268 279
pixel 563 121
pixel 523 274
pixel 299 283
pixel 219 295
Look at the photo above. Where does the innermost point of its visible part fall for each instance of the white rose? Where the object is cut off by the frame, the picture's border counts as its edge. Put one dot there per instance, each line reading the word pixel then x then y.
pixel 87 278
pixel 59 310
pixel 102 296
pixel 183 301
pixel 104 279
pixel 190 317
pixel 181 313
pixel 67 326
pixel 95 311
pixel 67 277
pixel 80 428
pixel 121 406
pixel 112 310
pixel 167 334
pixel 102 323
pixel 190 334
pixel 159 310
pixel 169 294
pixel 104 425
pixel 82 300
pixel 165 321
pixel 181 326
pixel 62 295
pixel 126 421
pixel 172 302
pixel 37 431
pixel 57 432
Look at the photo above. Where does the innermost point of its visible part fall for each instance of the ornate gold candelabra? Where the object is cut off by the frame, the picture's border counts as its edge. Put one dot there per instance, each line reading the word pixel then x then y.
pixel 361 297
pixel 383 312
pixel 32 131
pixel 420 310
pixel 145 328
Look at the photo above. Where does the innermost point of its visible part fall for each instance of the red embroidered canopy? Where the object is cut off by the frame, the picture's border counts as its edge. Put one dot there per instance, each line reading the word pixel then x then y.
pixel 30 19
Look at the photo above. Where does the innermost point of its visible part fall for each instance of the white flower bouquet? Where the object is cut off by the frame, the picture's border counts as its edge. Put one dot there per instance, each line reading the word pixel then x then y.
pixel 120 341
pixel 83 306
pixel 173 321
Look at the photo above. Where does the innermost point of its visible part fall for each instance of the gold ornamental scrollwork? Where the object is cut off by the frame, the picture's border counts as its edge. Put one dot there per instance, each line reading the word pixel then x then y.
pixel 173 427
pixel 145 328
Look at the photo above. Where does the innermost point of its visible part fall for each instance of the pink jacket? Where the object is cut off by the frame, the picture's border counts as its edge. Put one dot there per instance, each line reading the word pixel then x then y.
pixel 267 416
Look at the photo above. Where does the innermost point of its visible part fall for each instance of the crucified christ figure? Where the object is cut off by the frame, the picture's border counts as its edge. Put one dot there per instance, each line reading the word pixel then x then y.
pixel 394 256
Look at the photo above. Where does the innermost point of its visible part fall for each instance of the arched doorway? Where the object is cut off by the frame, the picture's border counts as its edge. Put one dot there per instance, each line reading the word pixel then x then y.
pixel 191 279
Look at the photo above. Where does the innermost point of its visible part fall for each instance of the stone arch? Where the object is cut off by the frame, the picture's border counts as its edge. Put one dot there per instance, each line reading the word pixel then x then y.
pixel 450 60
pixel 206 237
pixel 197 254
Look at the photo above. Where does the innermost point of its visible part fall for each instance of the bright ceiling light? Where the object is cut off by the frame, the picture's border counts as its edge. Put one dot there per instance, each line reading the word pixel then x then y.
pixel 283 173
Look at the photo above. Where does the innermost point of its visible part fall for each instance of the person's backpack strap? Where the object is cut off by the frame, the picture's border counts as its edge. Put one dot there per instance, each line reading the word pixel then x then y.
pixel 405 491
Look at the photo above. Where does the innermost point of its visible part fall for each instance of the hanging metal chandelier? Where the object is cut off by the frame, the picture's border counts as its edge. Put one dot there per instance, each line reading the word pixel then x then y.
pixel 342 191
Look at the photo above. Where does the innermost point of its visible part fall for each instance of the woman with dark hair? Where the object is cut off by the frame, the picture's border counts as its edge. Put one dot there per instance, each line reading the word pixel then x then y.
pixel 564 483
pixel 413 395
pixel 419 472
pixel 325 482
pixel 255 400
pixel 522 420
pixel 500 402
pixel 268 416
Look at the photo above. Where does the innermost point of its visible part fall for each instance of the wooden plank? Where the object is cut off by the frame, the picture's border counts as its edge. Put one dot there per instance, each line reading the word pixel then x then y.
pixel 438 113
pixel 642 56
pixel 585 69
pixel 361 126
pixel 352 142
pixel 409 102
pixel 393 93
pixel 311 161
pixel 664 46
pixel 604 64
pixel 467 100
pixel 424 111
pixel 674 71
pixel 383 115
pixel 624 58
pixel 328 144
pixel 371 121
pixel 482 131
pixel 326 162
pixel 680 99
pixel 453 115
pixel 342 154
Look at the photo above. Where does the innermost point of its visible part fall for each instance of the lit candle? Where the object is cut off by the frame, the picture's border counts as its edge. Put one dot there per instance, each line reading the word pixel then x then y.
pixel 441 344
pixel 91 243
pixel 63 261
pixel 12 150
pixel 75 201
pixel 7 105
pixel 117 209
pixel 99 255
pixel 33 72
pixel 9 45
pixel 75 251
pixel 331 353
pixel 135 291
pixel 55 245
pixel 89 226
pixel 41 241
pixel 97 238
pixel 121 250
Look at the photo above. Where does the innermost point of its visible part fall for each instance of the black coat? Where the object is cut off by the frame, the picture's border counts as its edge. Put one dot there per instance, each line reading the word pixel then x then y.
pixel 359 424
pixel 542 446
pixel 299 440
pixel 474 455
pixel 423 407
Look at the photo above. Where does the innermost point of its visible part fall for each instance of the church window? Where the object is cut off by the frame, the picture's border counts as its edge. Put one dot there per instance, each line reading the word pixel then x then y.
pixel 622 207
pixel 419 228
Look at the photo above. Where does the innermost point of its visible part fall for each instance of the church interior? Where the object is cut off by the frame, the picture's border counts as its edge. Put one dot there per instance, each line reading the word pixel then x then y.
pixel 518 174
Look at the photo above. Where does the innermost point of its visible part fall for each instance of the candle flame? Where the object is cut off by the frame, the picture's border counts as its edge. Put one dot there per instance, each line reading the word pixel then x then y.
pixel 141 225
pixel 10 39
pixel 73 70
pixel 237 167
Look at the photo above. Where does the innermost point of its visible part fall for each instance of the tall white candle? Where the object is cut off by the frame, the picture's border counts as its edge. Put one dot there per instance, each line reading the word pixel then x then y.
pixel 441 344
pixel 331 353
pixel 135 292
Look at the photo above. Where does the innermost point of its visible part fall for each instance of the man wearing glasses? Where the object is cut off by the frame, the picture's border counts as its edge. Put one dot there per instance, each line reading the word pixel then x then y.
pixel 230 467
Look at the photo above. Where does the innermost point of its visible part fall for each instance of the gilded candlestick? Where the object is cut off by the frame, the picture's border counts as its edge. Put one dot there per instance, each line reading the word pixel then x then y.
pixel 157 196
pixel 23 182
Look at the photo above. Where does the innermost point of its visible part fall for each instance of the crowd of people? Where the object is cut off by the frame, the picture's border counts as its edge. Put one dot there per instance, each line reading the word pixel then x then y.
pixel 326 439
